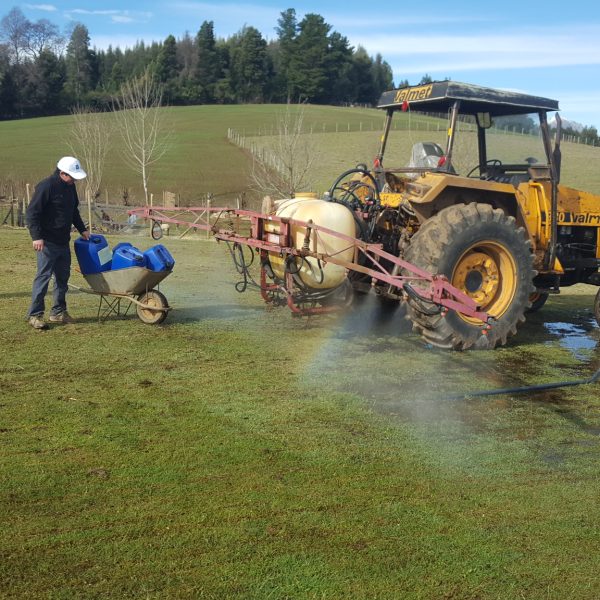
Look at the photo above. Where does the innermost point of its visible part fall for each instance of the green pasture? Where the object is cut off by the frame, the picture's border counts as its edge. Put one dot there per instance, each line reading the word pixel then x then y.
pixel 238 452
pixel 201 160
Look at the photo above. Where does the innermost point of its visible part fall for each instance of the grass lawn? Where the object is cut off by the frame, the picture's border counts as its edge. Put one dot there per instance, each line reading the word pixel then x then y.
pixel 237 452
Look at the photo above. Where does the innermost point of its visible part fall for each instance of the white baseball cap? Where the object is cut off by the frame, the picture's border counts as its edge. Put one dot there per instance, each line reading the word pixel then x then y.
pixel 71 166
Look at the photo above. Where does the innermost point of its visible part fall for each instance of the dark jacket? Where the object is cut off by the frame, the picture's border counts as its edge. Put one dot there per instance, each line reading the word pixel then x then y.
pixel 53 210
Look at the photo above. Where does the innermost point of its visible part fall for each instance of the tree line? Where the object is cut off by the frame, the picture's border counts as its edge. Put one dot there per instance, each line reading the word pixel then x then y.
pixel 43 72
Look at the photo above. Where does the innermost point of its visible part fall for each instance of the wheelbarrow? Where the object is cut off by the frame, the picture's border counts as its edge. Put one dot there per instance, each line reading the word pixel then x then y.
pixel 134 285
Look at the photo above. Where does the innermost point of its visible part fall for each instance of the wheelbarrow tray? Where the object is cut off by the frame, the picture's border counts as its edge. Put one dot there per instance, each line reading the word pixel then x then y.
pixel 131 281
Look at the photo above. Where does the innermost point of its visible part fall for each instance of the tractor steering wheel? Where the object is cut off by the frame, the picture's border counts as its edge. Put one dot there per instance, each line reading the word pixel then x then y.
pixel 492 162
pixel 353 192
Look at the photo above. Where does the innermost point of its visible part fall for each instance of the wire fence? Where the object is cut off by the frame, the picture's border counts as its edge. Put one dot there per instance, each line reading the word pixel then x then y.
pixel 111 219
pixel 414 122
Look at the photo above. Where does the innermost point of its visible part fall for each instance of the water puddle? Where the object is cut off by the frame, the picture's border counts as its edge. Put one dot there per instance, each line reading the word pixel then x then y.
pixel 574 337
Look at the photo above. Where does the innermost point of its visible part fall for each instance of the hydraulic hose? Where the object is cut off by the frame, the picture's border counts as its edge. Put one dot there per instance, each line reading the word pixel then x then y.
pixel 420 300
pixel 530 388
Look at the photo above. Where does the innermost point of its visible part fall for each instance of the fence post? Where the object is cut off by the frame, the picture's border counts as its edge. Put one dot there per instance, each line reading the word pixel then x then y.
pixel 27 192
pixel 208 204
pixel 20 213
pixel 89 207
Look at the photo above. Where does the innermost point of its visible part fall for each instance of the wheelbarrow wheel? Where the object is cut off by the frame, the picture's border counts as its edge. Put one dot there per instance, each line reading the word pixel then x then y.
pixel 156 314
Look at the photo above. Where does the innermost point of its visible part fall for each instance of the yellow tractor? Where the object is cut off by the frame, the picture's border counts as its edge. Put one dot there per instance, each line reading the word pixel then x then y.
pixel 474 231
pixel 502 229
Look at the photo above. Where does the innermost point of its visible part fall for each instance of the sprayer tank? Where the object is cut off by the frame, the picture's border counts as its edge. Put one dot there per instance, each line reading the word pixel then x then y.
pixel 313 273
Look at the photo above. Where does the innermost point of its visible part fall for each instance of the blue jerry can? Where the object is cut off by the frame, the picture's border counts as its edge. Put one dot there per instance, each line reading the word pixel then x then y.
pixel 125 256
pixel 93 255
pixel 158 258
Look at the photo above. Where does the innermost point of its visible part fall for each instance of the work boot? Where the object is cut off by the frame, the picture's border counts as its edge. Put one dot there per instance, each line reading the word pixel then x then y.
pixel 63 317
pixel 37 322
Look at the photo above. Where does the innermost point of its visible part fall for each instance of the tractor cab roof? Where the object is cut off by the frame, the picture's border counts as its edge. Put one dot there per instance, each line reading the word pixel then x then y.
pixel 440 96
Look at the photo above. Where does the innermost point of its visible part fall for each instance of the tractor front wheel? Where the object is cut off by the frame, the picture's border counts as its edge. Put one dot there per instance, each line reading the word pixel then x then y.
pixel 537 299
pixel 485 255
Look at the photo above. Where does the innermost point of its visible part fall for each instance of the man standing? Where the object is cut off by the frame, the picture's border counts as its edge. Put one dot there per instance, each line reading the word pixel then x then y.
pixel 50 215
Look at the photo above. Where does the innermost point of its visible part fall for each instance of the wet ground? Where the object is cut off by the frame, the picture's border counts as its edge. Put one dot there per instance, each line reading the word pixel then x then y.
pixel 370 352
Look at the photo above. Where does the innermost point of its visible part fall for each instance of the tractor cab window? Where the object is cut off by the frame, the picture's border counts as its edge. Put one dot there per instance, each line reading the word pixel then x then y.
pixel 417 140
pixel 515 140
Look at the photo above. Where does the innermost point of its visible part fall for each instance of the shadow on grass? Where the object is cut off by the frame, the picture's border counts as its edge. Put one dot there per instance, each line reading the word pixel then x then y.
pixel 7 295
pixel 209 312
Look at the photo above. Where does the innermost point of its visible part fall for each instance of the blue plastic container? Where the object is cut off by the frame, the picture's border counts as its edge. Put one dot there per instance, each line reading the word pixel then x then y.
pixel 158 258
pixel 93 255
pixel 126 256
pixel 121 245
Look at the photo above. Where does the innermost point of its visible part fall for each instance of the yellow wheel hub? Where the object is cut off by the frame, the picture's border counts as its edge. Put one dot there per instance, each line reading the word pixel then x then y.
pixel 487 273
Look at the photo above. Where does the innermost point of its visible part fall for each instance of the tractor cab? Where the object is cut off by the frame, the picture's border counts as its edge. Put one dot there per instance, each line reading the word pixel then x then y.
pixel 485 118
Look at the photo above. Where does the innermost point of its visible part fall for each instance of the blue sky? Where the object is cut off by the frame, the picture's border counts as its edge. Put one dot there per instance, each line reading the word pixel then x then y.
pixel 549 49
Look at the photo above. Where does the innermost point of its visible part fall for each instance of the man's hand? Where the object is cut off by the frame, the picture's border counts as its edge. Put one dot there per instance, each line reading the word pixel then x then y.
pixel 85 235
pixel 38 245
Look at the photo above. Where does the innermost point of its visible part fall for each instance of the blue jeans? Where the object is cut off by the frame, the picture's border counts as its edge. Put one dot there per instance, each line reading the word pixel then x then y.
pixel 54 259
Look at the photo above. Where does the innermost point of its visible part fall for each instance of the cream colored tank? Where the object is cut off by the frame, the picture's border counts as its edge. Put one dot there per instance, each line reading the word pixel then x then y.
pixel 334 216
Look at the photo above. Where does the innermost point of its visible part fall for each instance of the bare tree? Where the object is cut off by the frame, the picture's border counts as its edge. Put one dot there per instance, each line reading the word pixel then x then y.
pixel 43 35
pixel 91 134
pixel 14 31
pixel 141 124
pixel 284 165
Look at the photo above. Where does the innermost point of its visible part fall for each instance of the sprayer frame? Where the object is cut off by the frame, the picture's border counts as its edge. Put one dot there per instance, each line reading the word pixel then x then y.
pixel 403 276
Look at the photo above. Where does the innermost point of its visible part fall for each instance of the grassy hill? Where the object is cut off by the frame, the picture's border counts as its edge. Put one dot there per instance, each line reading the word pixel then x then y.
pixel 201 160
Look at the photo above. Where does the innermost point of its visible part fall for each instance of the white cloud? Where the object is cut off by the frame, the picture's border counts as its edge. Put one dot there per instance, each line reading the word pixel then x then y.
pixel 44 7
pixel 518 49
pixel 83 11
pixel 116 16
pixel 527 42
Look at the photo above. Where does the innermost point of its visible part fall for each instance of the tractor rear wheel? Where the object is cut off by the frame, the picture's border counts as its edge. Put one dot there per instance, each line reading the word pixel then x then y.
pixel 486 256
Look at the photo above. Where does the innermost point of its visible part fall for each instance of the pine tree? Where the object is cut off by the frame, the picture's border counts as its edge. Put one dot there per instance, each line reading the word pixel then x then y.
pixel 308 66
pixel 79 64
pixel 167 69
pixel 249 69
pixel 208 67
pixel 338 69
pixel 44 84
pixel 383 78
pixel 287 31
pixel 116 76
pixel 363 77
pixel 8 89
